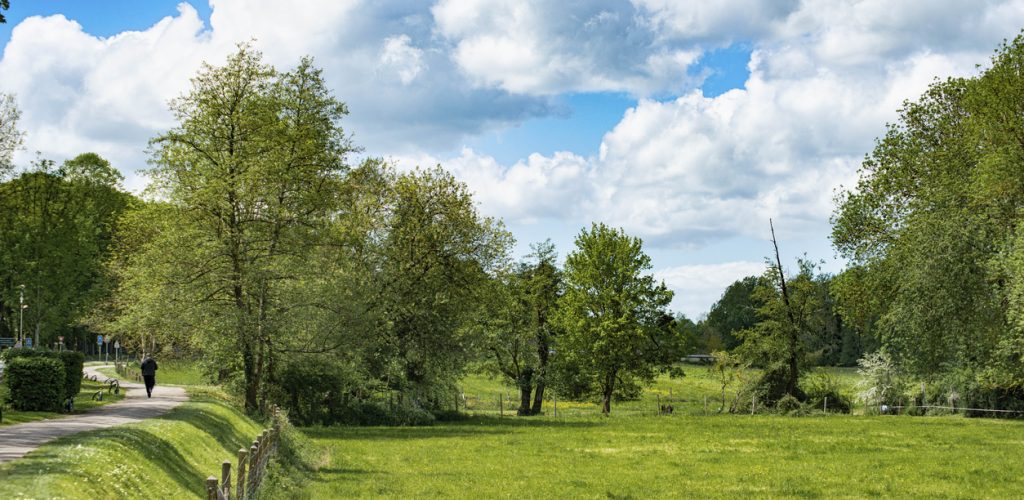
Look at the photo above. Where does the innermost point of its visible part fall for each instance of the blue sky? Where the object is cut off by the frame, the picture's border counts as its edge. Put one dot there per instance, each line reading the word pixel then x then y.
pixel 687 124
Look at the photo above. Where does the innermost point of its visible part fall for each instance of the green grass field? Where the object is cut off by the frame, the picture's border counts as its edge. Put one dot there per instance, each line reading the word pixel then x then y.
pixel 679 456
pixel 83 402
pixel 165 457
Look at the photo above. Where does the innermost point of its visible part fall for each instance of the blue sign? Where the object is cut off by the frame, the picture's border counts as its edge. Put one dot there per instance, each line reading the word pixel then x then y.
pixel 99 340
pixel 28 342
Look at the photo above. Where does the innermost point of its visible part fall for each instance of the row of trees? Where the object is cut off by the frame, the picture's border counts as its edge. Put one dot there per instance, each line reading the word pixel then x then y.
pixel 934 236
pixel 306 281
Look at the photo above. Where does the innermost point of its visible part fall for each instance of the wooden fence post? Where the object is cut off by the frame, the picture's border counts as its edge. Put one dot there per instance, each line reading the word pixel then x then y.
pixel 254 451
pixel 240 493
pixel 225 479
pixel 211 488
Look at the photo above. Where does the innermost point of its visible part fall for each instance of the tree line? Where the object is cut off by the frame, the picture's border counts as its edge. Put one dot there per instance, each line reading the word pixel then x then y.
pixel 345 291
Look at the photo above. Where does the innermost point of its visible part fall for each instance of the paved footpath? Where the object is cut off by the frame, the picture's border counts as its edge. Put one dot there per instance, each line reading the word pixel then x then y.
pixel 19 439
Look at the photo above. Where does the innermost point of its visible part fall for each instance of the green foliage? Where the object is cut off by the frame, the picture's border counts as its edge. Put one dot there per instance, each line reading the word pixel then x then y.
pixel 736 310
pixel 11 137
pixel 249 180
pixel 36 383
pixel 516 325
pixel 613 314
pixel 932 227
pixel 825 392
pixel 43 213
pixel 73 362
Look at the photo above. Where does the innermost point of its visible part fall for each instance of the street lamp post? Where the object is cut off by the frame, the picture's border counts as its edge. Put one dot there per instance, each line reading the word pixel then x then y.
pixel 21 315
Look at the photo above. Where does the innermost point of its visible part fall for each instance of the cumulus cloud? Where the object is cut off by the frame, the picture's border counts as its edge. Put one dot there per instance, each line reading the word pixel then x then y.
pixel 81 93
pixel 550 47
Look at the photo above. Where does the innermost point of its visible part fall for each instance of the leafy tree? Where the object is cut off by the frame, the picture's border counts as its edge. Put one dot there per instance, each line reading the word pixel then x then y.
pixel 517 325
pixel 932 225
pixel 10 136
pixel 735 311
pixel 795 329
pixel 434 257
pixel 4 5
pixel 250 178
pixel 56 229
pixel 612 314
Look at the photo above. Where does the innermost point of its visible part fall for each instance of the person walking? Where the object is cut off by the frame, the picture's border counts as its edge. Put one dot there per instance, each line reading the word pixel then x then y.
pixel 149 368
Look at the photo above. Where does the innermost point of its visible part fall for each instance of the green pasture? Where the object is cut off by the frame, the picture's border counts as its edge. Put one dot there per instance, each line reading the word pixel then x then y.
pixel 678 456
pixel 84 402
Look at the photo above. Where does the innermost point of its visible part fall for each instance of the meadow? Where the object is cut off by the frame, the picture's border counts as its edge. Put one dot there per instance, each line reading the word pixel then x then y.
pixel 679 456
pixel 634 452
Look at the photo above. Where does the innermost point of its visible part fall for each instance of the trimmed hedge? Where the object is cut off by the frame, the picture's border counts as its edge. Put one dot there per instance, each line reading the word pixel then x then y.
pixel 73 362
pixel 36 383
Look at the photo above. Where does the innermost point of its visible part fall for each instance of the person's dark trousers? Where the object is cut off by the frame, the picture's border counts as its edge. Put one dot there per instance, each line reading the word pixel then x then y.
pixel 150 382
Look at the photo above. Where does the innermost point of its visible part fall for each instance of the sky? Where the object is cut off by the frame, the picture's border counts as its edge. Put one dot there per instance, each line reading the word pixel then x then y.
pixel 688 124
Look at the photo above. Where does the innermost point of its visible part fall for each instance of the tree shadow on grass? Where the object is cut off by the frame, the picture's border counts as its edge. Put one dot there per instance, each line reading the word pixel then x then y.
pixel 469 427
pixel 153 449
pixel 222 430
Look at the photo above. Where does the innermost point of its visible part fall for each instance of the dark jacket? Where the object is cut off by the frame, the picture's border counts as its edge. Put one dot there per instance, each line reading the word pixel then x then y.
pixel 148 367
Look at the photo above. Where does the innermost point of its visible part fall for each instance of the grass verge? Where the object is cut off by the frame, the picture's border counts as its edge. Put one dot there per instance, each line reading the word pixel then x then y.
pixel 83 402
pixel 165 457
pixel 176 372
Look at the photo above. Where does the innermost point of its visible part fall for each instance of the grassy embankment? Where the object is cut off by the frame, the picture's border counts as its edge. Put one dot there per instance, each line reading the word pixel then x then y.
pixel 164 457
pixel 83 402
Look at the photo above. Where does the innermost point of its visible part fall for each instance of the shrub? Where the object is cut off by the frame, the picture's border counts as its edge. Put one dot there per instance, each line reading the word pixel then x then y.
pixel 882 382
pixel 374 413
pixel 73 362
pixel 36 383
pixel 789 405
pixel 821 387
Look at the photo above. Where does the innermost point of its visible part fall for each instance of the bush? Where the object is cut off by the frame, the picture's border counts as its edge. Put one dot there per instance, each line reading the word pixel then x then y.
pixel 789 405
pixel 36 383
pixel 374 413
pixel 821 387
pixel 882 382
pixel 73 362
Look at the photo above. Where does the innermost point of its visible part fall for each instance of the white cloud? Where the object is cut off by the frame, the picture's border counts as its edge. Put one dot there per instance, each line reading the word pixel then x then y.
pixel 699 286
pixel 549 47
pixel 399 56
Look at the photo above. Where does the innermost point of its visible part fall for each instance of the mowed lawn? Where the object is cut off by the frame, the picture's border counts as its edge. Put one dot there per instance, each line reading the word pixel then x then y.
pixel 691 456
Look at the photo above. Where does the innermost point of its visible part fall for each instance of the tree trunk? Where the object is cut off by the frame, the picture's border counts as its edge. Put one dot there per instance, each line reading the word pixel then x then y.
pixel 794 331
pixel 525 388
pixel 538 398
pixel 524 402
pixel 609 388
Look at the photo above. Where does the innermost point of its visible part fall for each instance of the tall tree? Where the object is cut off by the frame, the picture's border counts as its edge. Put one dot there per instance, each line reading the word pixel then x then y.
pixel 933 225
pixel 517 328
pixel 613 314
pixel 56 228
pixel 4 5
pixel 249 178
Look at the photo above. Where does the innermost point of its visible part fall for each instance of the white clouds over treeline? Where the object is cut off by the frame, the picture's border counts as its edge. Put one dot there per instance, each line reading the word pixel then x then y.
pixel 679 169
